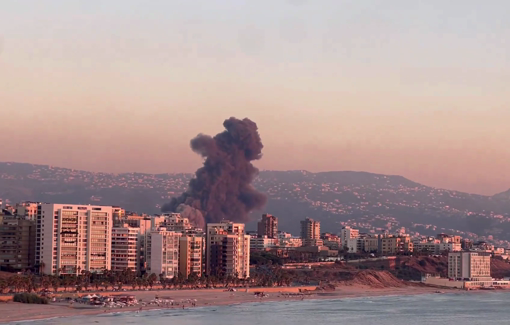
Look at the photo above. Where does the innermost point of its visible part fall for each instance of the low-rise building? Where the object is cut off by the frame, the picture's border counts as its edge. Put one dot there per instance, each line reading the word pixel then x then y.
pixel 262 243
pixel 391 245
pixel 371 244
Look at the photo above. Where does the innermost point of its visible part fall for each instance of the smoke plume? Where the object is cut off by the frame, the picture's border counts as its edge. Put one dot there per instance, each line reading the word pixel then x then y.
pixel 222 189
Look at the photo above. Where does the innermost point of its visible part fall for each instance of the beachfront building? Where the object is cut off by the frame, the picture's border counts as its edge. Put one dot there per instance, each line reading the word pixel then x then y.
pixel 268 226
pixel 475 266
pixel 227 250
pixel 125 248
pixel 144 224
pixel 73 238
pixel 17 243
pixel 163 253
pixel 191 249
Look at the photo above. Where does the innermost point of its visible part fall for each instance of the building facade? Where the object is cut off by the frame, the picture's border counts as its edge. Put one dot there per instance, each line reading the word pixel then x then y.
pixel 191 249
pixel 73 238
pixel 126 248
pixel 473 266
pixel 268 226
pixel 163 253
pixel 262 243
pixel 310 231
pixel 391 245
pixel 347 233
pixel 27 210
pixel 227 250
pixel 17 243
pixel 175 222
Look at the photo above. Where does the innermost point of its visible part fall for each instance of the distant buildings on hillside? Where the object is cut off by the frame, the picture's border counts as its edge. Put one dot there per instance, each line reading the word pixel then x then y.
pixel 66 239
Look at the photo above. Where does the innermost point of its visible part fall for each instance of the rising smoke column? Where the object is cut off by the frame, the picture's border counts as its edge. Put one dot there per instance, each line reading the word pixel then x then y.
pixel 222 189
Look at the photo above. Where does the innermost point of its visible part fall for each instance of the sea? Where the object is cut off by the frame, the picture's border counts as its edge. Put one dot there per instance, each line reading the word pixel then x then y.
pixel 458 308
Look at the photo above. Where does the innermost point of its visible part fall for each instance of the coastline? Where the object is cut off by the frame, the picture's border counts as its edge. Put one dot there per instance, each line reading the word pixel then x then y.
pixel 15 312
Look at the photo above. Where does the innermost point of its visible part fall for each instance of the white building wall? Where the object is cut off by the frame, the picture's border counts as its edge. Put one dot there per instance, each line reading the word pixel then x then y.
pixel 51 243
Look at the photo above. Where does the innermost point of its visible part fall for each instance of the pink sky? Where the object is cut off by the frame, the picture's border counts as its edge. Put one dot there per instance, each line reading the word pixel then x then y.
pixel 332 87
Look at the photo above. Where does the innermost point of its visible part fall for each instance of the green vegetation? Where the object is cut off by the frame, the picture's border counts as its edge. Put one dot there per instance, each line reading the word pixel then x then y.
pixel 29 298
pixel 264 258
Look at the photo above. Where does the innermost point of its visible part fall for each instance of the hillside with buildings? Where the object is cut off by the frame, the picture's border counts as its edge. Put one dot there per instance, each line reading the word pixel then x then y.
pixel 372 203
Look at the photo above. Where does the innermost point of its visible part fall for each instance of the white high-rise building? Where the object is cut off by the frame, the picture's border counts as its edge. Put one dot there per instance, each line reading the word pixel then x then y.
pixel 73 238
pixel 163 253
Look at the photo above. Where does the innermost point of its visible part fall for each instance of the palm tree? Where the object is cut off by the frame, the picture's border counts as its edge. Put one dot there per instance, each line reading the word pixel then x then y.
pixel 55 282
pixel 16 282
pixel 3 285
pixel 45 282
pixel 152 279
pixel 139 283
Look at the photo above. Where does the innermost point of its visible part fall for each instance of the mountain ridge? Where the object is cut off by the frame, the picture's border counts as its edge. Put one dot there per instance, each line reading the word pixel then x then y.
pixel 345 172
pixel 372 202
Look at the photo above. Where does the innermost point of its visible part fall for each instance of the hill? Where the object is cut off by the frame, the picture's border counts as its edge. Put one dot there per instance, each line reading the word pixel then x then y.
pixel 371 202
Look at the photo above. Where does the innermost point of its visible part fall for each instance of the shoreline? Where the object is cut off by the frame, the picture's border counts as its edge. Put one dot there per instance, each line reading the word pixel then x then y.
pixel 17 312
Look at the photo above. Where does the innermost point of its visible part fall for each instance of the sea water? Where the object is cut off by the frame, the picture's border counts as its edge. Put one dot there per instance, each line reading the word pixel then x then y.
pixel 458 308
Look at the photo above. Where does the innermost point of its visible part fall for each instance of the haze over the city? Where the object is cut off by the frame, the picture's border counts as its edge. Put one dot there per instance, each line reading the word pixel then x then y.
pixel 414 88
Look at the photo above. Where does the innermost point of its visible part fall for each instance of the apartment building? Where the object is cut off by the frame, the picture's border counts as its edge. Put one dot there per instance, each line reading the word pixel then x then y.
pixel 331 241
pixel 354 245
pixel 175 222
pixel 227 250
pixel 126 248
pixel 286 240
pixel 347 233
pixel 191 249
pixel 311 232
pixel 73 238
pixel 118 214
pixel 268 226
pixel 371 244
pixel 262 243
pixel 163 253
pixel 17 243
pixel 474 266
pixel 27 210
pixel 391 245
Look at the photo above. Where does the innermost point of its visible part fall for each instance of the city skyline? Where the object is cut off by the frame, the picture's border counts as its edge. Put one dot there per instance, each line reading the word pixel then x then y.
pixel 384 87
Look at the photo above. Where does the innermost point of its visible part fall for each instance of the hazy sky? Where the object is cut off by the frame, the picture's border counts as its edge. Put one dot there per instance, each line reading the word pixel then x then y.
pixel 416 88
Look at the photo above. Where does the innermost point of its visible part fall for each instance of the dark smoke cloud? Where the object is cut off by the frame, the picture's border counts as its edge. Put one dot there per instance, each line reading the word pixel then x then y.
pixel 194 215
pixel 222 189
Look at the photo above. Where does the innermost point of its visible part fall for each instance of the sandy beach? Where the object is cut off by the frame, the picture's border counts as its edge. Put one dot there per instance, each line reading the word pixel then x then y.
pixel 11 311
